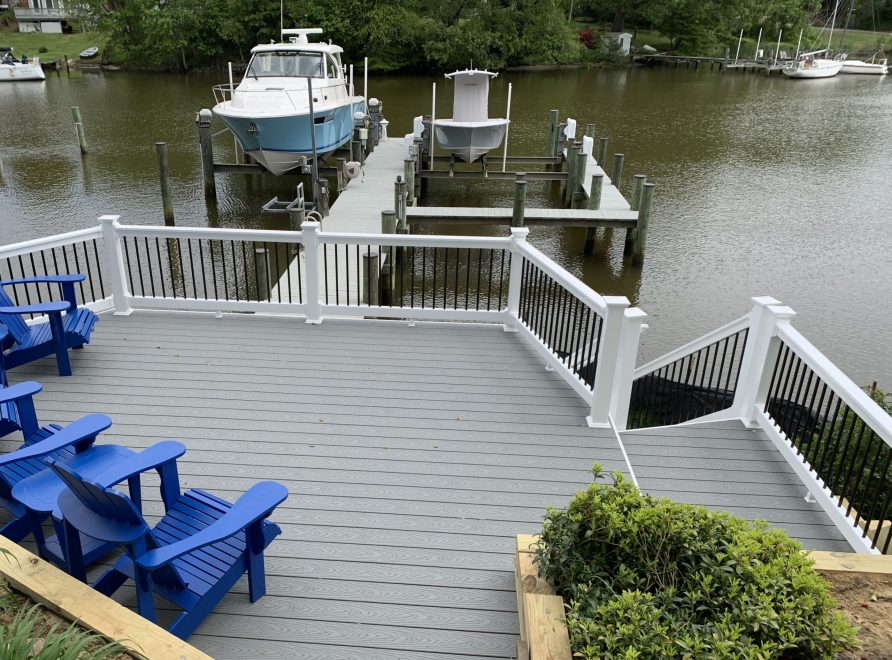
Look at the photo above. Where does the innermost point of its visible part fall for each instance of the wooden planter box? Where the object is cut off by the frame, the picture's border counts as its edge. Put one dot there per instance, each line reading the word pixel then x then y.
pixel 76 601
pixel 543 635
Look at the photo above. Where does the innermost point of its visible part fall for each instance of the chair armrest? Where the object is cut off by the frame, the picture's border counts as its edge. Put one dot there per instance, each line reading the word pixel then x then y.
pixel 85 428
pixel 148 459
pixel 58 279
pixel 38 308
pixel 254 505
pixel 20 391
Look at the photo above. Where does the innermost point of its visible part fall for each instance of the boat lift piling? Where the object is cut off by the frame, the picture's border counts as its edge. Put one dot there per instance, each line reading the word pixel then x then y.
pixel 164 175
pixel 206 145
pixel 79 129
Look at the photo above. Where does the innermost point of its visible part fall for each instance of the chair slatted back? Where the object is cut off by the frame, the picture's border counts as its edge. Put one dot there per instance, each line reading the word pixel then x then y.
pixel 116 508
pixel 13 322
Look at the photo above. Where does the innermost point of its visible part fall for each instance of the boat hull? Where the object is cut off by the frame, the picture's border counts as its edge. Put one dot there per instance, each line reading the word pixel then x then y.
pixel 824 70
pixel 279 142
pixel 864 68
pixel 470 140
pixel 14 72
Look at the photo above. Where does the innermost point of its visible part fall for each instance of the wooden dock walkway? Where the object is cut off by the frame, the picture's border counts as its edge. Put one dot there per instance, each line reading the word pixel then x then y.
pixel 413 456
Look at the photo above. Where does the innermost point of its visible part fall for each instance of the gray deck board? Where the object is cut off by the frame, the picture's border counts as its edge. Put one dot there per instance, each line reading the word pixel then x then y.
pixel 413 455
pixel 726 466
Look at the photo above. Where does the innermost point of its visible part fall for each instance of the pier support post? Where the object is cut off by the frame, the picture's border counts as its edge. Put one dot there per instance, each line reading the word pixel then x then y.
pixel 79 128
pixel 341 165
pixel 296 218
pixel 164 175
pixel 371 276
pixel 262 272
pixel 311 261
pixel 520 199
pixel 552 138
pixel 1 172
pixel 640 242
pixel 205 142
pixel 399 202
pixel 637 187
pixel 602 152
pixel 594 203
pixel 409 176
pixel 320 194
pixel 388 222
pixel 590 131
pixel 375 123
pixel 577 198
pixel 616 178
pixel 572 175
pixel 385 284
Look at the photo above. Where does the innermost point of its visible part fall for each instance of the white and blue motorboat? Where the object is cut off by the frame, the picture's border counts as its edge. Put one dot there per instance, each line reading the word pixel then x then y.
pixel 270 110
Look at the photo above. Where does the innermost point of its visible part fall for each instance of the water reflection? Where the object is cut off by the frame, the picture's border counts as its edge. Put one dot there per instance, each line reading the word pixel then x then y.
pixel 764 185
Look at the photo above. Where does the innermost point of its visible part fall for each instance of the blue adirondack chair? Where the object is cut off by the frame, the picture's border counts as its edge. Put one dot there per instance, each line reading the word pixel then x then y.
pixel 9 414
pixel 71 445
pixel 192 557
pixel 28 343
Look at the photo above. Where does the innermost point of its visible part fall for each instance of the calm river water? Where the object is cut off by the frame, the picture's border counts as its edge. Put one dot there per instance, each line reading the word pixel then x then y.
pixel 765 186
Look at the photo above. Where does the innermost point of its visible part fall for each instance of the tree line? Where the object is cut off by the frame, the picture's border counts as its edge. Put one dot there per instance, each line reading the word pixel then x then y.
pixel 434 34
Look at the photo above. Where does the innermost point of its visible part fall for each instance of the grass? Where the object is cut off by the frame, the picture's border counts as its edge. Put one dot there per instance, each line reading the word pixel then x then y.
pixel 57 45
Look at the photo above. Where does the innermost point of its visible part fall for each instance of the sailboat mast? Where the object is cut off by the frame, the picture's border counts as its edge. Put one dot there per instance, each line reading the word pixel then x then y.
pixel 845 29
pixel 832 25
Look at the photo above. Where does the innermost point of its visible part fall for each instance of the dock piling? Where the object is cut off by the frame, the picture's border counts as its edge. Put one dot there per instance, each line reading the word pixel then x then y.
pixel 602 152
pixel 341 165
pixel 296 218
pixel 577 199
pixel 637 187
pixel 594 203
pixel 551 146
pixel 1 172
pixel 572 174
pixel 647 195
pixel 320 194
pixel 79 128
pixel 164 175
pixel 409 176
pixel 261 266
pixel 520 199
pixel 205 143
pixel 616 178
pixel 590 131
pixel 372 284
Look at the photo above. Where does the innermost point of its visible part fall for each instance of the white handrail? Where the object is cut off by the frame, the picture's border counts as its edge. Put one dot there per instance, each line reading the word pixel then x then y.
pixel 843 386
pixel 708 339
pixel 563 277
pixel 415 240
pixel 261 235
pixel 39 244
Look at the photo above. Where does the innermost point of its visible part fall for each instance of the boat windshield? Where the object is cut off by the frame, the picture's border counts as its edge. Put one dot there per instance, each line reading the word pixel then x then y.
pixel 285 64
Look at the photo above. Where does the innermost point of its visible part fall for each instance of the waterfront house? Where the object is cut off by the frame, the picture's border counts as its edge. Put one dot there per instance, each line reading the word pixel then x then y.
pixel 41 15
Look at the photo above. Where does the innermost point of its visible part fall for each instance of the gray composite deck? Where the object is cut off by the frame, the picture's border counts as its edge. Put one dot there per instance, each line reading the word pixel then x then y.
pixel 413 455
pixel 724 465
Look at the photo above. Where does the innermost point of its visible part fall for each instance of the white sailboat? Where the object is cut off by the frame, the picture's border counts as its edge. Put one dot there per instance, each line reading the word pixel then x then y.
pixel 811 65
pixel 873 68
pixel 470 133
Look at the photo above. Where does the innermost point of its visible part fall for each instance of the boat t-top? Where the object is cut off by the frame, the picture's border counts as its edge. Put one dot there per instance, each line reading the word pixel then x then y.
pixel 270 110
pixel 470 133
pixel 12 69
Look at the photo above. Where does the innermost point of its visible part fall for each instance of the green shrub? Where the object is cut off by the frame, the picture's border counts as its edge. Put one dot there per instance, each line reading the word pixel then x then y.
pixel 651 578
pixel 43 49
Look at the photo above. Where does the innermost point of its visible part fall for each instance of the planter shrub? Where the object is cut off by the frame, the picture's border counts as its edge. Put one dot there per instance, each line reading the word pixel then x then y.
pixel 647 577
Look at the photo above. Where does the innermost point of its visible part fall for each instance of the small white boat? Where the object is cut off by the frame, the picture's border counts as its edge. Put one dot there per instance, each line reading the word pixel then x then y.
pixel 12 69
pixel 470 133
pixel 870 68
pixel 88 53
pixel 810 65
pixel 269 111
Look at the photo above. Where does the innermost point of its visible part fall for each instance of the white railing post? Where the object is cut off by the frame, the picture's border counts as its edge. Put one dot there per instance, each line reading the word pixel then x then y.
pixel 605 377
pixel 311 261
pixel 757 357
pixel 633 320
pixel 114 261
pixel 518 239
